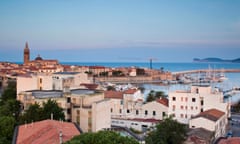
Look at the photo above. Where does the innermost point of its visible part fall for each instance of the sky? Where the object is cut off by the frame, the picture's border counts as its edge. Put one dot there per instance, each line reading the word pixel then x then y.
pixel 120 30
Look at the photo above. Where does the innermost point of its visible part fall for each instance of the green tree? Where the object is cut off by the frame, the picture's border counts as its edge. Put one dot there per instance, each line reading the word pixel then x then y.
pixel 152 96
pixel 33 113
pixel 51 107
pixel 7 124
pixel 11 107
pixel 9 92
pixel 167 132
pixel 102 137
pixel 37 113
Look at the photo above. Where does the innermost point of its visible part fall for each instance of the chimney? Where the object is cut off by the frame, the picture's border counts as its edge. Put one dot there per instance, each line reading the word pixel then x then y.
pixel 60 137
pixel 51 116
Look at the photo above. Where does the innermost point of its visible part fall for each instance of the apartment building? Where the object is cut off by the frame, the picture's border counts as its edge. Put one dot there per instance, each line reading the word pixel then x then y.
pixel 213 120
pixel 56 81
pixel 186 104
pixel 87 108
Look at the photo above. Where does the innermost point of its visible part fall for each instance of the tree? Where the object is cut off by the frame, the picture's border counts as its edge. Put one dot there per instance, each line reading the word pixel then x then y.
pixel 11 107
pixel 152 96
pixel 7 124
pixel 33 113
pixel 37 113
pixel 102 137
pixel 167 132
pixel 9 93
pixel 51 107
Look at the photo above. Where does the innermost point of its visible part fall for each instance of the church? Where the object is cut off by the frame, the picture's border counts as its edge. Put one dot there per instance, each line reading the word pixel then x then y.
pixel 38 61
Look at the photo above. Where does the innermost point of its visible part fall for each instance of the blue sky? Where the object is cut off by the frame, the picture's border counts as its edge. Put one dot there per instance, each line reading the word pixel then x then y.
pixel 120 30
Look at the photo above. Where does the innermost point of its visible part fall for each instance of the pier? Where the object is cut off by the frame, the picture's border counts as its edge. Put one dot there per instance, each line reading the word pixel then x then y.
pixel 207 71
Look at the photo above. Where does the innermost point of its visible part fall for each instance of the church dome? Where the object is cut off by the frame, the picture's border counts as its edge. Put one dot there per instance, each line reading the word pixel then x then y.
pixel 38 58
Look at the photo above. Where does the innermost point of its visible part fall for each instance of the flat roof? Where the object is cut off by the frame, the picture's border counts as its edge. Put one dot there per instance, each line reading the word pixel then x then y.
pixel 82 91
pixel 67 73
pixel 41 94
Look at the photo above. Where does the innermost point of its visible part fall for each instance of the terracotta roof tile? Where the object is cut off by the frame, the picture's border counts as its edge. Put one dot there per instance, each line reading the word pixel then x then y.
pixel 233 140
pixel 113 94
pixel 46 131
pixel 163 101
pixel 211 114
pixel 130 91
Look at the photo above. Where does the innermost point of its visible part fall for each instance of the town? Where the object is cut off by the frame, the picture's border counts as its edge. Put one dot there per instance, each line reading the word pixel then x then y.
pixel 99 98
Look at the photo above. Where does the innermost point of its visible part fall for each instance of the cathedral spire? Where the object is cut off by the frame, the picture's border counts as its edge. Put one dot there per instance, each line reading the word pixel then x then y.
pixel 26 45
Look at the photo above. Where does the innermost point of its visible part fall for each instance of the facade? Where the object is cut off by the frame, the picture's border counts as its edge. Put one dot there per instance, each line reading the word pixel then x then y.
pixel 56 81
pixel 136 123
pixel 82 106
pixel 46 131
pixel 185 104
pixel 213 120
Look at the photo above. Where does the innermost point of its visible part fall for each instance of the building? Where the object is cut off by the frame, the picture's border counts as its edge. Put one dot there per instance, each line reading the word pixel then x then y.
pixel 46 131
pixel 136 123
pixel 199 136
pixel 82 106
pixel 213 120
pixel 26 54
pixel 185 104
pixel 55 81
pixel 90 110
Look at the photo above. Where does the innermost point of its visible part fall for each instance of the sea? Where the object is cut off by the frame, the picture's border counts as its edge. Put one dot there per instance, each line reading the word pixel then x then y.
pixel 233 79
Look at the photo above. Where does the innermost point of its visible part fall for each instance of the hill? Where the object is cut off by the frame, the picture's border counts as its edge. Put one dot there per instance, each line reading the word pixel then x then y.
pixel 216 60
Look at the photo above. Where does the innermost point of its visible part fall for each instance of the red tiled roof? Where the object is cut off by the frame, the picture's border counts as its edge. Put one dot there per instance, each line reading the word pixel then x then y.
pixel 163 101
pixel 113 94
pixel 211 114
pixel 232 140
pixel 130 91
pixel 46 131
pixel 89 86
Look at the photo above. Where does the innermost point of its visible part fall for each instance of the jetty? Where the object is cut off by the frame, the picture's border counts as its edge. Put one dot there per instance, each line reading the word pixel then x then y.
pixel 207 71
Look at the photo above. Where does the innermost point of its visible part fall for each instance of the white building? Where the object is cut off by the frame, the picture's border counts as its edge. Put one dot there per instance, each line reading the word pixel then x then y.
pixel 213 120
pixel 56 81
pixel 185 104
pixel 136 123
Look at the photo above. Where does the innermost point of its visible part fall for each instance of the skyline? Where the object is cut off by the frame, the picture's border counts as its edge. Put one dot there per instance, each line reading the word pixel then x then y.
pixel 120 31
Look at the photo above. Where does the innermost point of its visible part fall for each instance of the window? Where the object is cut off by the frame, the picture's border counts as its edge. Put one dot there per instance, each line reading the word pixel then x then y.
pixel 68 100
pixel 181 115
pixel 120 110
pixel 181 98
pixel 181 107
pixel 186 99
pixel 193 99
pixel 40 80
pixel 202 102
pixel 121 102
pixel 69 111
pixel 186 107
pixel 128 111
pixel 136 112
pixel 201 109
pixel 173 98
pixel 196 107
pixel 111 110
pixel 197 90
pixel 146 112
pixel 174 107
pixel 40 88
pixel 78 112
pixel 163 114
pixel 191 107
pixel 154 113
pixel 185 115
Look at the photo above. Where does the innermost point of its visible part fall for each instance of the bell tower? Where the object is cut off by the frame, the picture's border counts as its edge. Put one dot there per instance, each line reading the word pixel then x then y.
pixel 26 54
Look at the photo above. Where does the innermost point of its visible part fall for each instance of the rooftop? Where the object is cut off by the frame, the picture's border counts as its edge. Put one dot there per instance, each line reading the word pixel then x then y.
pixel 47 93
pixel 67 73
pixel 113 94
pixel 211 114
pixel 46 131
pixel 163 101
pixel 82 91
